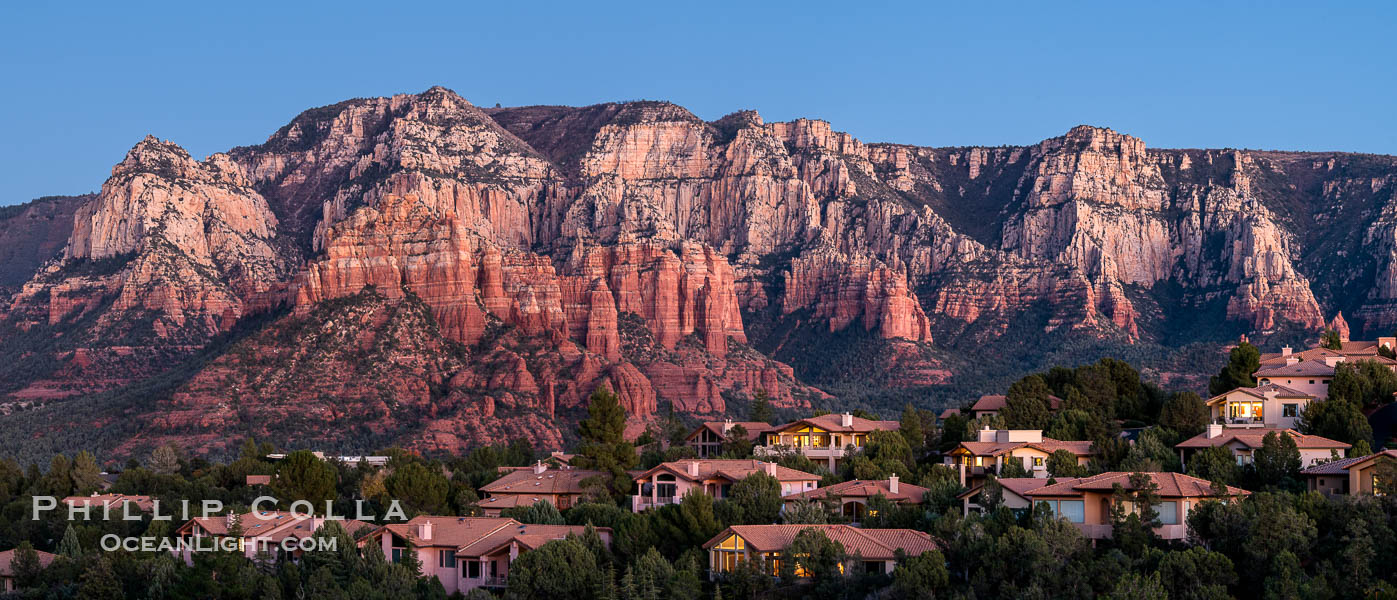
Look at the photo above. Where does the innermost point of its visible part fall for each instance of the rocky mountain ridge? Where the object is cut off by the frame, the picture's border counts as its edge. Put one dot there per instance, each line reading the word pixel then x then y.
pixel 554 249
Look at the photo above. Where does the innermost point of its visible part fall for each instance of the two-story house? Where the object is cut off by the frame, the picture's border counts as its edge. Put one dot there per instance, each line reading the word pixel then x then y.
pixel 667 483
pixel 826 438
pixel 1243 442
pixel 1310 371
pixel 875 549
pixel 525 486
pixel 1355 476
pixel 707 439
pixel 1087 501
pixel 465 553
pixel 1267 405
pixel 853 496
pixel 994 448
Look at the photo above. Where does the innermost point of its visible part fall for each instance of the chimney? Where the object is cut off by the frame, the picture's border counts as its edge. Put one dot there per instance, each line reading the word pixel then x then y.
pixel 1214 430
pixel 1286 351
pixel 846 419
pixel 693 468
pixel 892 483
pixel 539 467
pixel 727 425
pixel 770 468
pixel 424 531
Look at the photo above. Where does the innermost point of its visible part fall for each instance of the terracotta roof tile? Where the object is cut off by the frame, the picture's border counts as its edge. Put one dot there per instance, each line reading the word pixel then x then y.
pixel 864 488
pixel 551 481
pixel 7 559
pixel 733 470
pixel 833 423
pixel 754 429
pixel 872 544
pixel 1255 436
pixel 1306 368
pixel 1171 485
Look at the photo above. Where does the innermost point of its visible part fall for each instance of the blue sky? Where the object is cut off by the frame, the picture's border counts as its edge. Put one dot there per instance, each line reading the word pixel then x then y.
pixel 82 84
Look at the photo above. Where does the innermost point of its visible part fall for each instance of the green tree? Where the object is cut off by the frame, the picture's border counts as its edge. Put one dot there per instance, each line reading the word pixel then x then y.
pixel 920 577
pixel 806 512
pixel 912 427
pixel 760 410
pixel 603 446
pixel 304 476
pixel 649 578
pixel 1216 464
pixel 1242 362
pixel 1197 574
pixel 1277 461
pixel 1185 413
pixel 1336 418
pixel 87 476
pixel 69 546
pixel 26 566
pixel 755 500
pixel 1013 468
pixel 814 554
pixel 99 582
pixel 1063 463
pixel 1075 424
pixel 736 443
pixel 1135 586
pixel 1330 339
pixel 420 490
pixel 1026 405
pixel 559 569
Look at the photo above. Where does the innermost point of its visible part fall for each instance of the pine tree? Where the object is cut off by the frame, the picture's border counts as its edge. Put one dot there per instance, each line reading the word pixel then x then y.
pixel 99 582
pixel 25 565
pixel 761 408
pixel 1242 361
pixel 69 546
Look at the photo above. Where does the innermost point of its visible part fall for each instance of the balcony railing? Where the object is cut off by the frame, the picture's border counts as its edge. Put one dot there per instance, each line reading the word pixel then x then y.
pixel 1241 421
pixel 639 503
pixel 498 582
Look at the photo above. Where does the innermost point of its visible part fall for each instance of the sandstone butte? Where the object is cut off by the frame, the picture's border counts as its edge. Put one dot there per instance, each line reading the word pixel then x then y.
pixel 426 272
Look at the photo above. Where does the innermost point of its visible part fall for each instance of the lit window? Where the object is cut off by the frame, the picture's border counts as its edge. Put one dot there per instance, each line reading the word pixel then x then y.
pixel 1037 461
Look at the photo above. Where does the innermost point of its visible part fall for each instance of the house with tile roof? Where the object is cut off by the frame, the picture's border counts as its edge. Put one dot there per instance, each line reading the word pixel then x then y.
pixel 1013 493
pixel 667 483
pixel 990 405
pixel 994 448
pixel 1243 442
pixel 1086 501
pixel 876 549
pixel 7 568
pixel 465 553
pixel 525 486
pixel 852 497
pixel 111 505
pixel 826 438
pixel 1310 371
pixel 1349 476
pixel 263 532
pixel 707 439
pixel 1267 405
